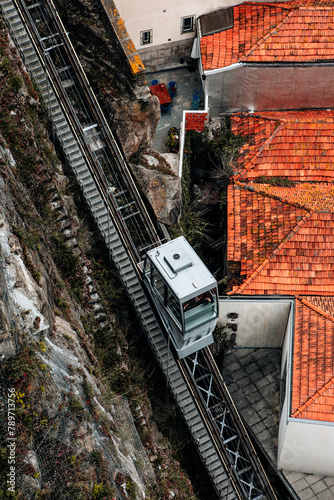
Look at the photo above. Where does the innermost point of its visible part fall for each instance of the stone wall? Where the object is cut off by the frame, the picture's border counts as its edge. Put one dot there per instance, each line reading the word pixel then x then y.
pixel 163 55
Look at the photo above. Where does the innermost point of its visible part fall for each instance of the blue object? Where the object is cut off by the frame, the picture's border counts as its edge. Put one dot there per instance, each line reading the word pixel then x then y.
pixel 155 82
pixel 196 99
pixel 173 84
pixel 172 94
pixel 172 87
pixel 166 109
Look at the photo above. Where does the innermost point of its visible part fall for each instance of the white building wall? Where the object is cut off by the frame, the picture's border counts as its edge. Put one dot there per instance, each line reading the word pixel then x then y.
pixel 307 447
pixel 164 18
pixel 252 87
pixel 286 365
pixel 303 445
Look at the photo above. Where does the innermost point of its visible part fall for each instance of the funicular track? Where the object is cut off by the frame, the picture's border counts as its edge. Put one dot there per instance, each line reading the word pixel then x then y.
pixel 107 186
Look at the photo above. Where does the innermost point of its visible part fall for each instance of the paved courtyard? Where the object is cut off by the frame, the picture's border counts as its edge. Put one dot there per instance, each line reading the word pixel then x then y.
pixel 253 379
pixel 187 82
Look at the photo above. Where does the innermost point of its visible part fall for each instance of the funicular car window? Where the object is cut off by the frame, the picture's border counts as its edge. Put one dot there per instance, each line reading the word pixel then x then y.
pixel 147 269
pixel 200 309
pixel 158 284
pixel 173 306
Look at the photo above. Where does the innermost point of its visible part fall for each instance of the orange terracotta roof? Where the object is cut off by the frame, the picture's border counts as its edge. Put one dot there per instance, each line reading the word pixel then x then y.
pixel 318 197
pixel 303 263
pixel 301 146
pixel 313 364
pixel 325 304
pixel 257 225
pixel 272 32
pixel 281 239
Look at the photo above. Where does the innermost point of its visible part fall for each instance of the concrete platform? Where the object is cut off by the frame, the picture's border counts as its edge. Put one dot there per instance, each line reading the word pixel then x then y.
pixel 187 82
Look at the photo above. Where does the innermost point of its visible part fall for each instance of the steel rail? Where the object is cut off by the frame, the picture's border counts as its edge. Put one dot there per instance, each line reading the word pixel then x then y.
pixel 97 172
pixel 222 391
pixel 214 401
pixel 201 407
pixel 101 120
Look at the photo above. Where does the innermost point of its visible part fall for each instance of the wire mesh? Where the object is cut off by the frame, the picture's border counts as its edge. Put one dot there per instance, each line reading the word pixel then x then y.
pixel 66 440
pixel 132 444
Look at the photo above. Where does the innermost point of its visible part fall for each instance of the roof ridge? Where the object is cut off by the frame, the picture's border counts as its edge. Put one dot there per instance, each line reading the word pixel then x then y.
pixel 268 35
pixel 261 148
pixel 257 271
pixel 315 308
pixel 312 398
pixel 254 185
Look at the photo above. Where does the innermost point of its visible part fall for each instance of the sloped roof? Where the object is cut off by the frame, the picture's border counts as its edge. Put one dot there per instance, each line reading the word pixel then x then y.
pixel 300 31
pixel 257 224
pixel 282 237
pixel 300 146
pixel 313 364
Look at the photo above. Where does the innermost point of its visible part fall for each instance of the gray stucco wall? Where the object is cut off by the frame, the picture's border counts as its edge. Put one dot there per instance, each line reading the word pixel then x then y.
pixel 260 322
pixel 306 447
pixel 252 87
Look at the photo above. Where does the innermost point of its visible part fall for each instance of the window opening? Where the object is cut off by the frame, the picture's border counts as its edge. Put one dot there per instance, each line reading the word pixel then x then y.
pixel 146 37
pixel 147 269
pixel 158 284
pixel 173 306
pixel 187 24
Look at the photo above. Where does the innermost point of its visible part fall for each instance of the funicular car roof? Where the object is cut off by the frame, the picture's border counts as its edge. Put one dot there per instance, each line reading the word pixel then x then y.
pixel 182 269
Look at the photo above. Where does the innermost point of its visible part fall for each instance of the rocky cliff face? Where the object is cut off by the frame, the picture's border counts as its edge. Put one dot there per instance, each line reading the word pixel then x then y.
pixel 131 110
pixel 160 184
pixel 83 426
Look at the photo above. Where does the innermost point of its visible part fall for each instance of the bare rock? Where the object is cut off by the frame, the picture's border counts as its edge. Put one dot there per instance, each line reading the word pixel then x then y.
pixel 151 160
pixel 162 191
pixel 173 161
pixel 136 122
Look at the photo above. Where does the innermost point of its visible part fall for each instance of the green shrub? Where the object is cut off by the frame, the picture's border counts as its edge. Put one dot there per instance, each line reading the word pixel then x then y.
pixel 173 140
pixel 5 65
pixel 75 405
pixel 274 181
pixel 15 82
pixel 22 365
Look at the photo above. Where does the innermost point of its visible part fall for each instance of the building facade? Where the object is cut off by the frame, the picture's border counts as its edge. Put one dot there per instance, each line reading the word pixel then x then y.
pixel 162 33
pixel 272 56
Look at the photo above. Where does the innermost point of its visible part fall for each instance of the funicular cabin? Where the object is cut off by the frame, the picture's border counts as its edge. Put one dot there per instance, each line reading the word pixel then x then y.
pixel 185 294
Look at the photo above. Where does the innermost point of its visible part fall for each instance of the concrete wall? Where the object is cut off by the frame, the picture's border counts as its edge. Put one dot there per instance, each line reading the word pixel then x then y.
pixel 286 362
pixel 160 55
pixel 307 447
pixel 251 87
pixel 303 445
pixel 260 322
pixel 164 18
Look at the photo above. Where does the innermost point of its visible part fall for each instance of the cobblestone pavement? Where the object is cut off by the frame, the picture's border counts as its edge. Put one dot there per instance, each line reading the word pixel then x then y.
pixel 253 379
